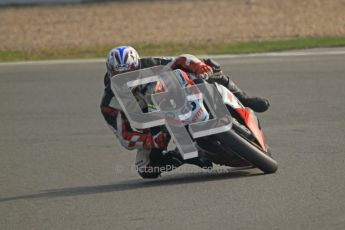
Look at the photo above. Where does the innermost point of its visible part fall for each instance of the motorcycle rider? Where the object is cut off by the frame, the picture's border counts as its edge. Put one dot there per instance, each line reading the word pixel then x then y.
pixel 151 144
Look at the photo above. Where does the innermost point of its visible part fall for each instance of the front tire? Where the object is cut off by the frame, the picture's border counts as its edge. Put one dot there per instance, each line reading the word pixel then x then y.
pixel 248 151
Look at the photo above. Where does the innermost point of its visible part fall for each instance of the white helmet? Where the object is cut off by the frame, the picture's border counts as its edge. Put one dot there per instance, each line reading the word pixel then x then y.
pixel 122 59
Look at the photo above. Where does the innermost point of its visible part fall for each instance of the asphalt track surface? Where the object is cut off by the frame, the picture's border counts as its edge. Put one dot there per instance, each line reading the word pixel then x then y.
pixel 61 167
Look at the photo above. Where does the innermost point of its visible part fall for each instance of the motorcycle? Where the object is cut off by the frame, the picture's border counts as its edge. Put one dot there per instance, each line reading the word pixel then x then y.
pixel 235 140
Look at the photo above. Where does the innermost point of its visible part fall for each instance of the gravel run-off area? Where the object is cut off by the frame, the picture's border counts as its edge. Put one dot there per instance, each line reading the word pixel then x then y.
pixel 151 22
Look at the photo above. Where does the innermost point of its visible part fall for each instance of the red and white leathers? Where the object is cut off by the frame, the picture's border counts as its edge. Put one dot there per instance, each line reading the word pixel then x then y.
pixel 149 142
pixel 131 138
pixel 143 139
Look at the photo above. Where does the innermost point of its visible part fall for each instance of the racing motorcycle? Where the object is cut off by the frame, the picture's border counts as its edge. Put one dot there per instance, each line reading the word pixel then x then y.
pixel 244 144
pixel 235 139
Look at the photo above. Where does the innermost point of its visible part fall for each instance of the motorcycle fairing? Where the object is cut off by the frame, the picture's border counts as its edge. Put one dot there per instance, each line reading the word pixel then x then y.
pixel 248 116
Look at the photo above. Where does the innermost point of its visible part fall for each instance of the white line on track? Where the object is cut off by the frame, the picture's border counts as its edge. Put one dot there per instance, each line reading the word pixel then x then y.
pixel 311 52
pixel 281 54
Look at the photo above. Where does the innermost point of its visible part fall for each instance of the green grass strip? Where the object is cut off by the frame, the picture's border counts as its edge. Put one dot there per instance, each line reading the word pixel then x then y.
pixel 169 49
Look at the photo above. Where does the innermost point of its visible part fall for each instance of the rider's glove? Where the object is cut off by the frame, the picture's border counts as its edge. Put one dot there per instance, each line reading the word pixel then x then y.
pixel 202 71
pixel 158 141
pixel 190 63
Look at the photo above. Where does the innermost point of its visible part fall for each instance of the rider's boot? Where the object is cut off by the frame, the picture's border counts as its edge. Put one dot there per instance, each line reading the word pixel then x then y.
pixel 169 159
pixel 158 163
pixel 257 104
pixel 201 162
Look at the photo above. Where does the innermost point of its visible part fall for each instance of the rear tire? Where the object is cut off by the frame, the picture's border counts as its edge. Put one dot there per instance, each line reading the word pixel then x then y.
pixel 248 151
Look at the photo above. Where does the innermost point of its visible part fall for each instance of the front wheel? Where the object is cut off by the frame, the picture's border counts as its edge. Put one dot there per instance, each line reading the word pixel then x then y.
pixel 243 148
